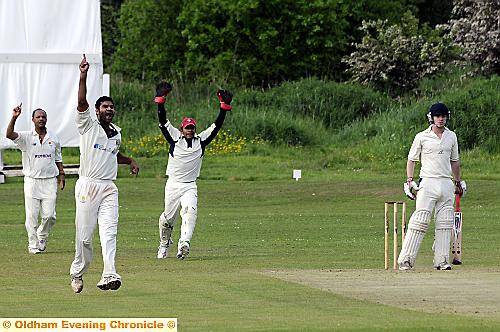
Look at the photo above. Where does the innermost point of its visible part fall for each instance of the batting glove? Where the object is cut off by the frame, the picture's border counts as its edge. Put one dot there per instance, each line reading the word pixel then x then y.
pixel 162 90
pixel 225 98
pixel 410 185
pixel 460 188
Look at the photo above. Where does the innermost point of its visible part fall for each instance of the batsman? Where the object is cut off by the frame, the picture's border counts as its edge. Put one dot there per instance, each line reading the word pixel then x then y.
pixel 437 150
pixel 185 155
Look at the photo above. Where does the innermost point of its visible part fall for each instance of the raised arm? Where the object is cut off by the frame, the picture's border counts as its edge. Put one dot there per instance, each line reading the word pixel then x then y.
pixel 11 134
pixel 162 91
pixel 83 104
pixel 225 98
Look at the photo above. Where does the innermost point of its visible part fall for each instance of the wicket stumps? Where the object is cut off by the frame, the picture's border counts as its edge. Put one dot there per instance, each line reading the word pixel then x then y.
pixel 395 232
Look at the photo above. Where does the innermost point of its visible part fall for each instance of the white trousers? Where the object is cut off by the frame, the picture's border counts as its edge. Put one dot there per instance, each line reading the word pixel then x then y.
pixel 39 200
pixel 96 203
pixel 435 194
pixel 183 198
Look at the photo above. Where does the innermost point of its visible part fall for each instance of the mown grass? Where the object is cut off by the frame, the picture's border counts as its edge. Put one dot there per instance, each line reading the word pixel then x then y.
pixel 250 220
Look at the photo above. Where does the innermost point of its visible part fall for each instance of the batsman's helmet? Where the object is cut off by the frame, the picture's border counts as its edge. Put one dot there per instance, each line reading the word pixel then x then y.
pixel 436 110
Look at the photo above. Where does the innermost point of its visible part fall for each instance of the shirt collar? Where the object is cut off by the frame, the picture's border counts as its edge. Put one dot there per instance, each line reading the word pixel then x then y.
pixel 429 130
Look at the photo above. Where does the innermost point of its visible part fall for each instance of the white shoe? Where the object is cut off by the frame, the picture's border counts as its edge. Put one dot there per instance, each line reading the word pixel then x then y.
pixel 162 252
pixel 444 266
pixel 77 284
pixel 405 266
pixel 42 245
pixel 34 251
pixel 183 251
pixel 109 283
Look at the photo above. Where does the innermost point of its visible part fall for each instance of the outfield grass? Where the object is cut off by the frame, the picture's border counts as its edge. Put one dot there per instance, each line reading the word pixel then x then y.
pixel 253 220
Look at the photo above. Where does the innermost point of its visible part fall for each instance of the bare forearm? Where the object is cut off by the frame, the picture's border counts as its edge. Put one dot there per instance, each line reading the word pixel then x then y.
pixel 410 168
pixel 60 167
pixel 11 134
pixel 455 169
pixel 83 105
pixel 123 159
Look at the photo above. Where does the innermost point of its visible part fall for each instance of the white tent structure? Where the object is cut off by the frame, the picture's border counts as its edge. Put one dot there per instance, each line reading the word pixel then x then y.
pixel 41 45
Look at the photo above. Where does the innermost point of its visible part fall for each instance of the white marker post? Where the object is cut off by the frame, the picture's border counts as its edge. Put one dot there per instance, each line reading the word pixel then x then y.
pixel 297 174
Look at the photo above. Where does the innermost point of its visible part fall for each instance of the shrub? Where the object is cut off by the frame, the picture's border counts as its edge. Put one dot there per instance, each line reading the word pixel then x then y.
pixel 394 58
pixel 475 28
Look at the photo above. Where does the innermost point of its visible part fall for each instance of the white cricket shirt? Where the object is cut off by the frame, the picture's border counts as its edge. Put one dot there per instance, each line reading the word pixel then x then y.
pixel 434 153
pixel 98 153
pixel 39 159
pixel 185 163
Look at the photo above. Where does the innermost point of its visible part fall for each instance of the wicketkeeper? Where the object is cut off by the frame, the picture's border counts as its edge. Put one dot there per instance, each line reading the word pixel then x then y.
pixel 186 150
pixel 437 149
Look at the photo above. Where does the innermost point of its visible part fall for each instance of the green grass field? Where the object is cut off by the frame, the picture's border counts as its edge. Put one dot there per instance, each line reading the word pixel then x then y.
pixel 268 253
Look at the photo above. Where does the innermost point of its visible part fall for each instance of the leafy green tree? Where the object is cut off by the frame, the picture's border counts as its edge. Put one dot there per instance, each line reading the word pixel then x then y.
pixel 250 42
pixel 150 45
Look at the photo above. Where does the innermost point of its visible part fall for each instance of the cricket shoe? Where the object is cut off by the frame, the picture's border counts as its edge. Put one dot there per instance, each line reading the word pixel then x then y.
pixel 183 251
pixel 162 252
pixel 42 245
pixel 34 251
pixel 444 266
pixel 109 283
pixel 456 262
pixel 77 284
pixel 405 266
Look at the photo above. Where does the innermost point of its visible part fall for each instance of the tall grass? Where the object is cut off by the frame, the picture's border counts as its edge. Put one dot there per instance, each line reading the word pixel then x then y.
pixel 313 112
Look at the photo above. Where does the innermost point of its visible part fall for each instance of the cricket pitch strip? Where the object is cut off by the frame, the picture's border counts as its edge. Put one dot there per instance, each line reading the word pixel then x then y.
pixel 469 292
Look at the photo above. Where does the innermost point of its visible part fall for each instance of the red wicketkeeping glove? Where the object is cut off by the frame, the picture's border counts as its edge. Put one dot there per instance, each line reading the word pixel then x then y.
pixel 162 90
pixel 225 98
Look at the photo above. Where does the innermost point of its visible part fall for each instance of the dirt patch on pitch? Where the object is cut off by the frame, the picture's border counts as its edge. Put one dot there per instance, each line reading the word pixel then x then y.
pixel 474 293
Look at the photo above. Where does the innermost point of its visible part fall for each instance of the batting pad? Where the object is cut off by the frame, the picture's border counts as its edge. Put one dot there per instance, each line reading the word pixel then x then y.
pixel 444 218
pixel 411 245
pixel 419 220
pixel 442 246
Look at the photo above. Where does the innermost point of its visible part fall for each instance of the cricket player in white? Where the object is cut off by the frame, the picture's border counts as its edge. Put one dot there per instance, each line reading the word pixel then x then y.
pixel 437 149
pixel 186 150
pixel 95 192
pixel 42 165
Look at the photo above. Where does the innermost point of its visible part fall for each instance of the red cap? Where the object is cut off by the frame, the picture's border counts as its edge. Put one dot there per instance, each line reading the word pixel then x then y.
pixel 188 122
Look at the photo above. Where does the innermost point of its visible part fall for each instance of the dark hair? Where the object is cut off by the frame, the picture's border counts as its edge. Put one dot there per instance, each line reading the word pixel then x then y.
pixel 38 109
pixel 102 100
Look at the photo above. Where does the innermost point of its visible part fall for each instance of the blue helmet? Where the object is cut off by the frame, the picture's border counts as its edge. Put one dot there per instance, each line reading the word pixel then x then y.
pixel 436 110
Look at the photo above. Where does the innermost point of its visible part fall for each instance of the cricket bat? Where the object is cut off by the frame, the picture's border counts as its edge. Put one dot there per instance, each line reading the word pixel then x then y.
pixel 456 248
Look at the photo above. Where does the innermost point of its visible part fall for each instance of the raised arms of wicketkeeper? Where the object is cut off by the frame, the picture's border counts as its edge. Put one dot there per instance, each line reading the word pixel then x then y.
pixel 225 98
pixel 168 131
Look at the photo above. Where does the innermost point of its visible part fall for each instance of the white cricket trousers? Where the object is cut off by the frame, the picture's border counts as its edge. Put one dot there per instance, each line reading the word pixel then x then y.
pixel 96 203
pixel 435 194
pixel 39 199
pixel 181 197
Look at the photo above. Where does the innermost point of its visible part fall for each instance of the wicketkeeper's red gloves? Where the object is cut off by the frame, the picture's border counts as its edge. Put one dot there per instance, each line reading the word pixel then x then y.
pixel 225 98
pixel 162 90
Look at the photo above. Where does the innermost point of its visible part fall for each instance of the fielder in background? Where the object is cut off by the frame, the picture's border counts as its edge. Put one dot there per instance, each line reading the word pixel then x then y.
pixel 186 150
pixel 95 192
pixel 42 166
pixel 437 149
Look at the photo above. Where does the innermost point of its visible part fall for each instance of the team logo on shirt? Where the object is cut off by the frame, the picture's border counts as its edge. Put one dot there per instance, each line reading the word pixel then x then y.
pixel 441 152
pixel 113 149
pixel 43 155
